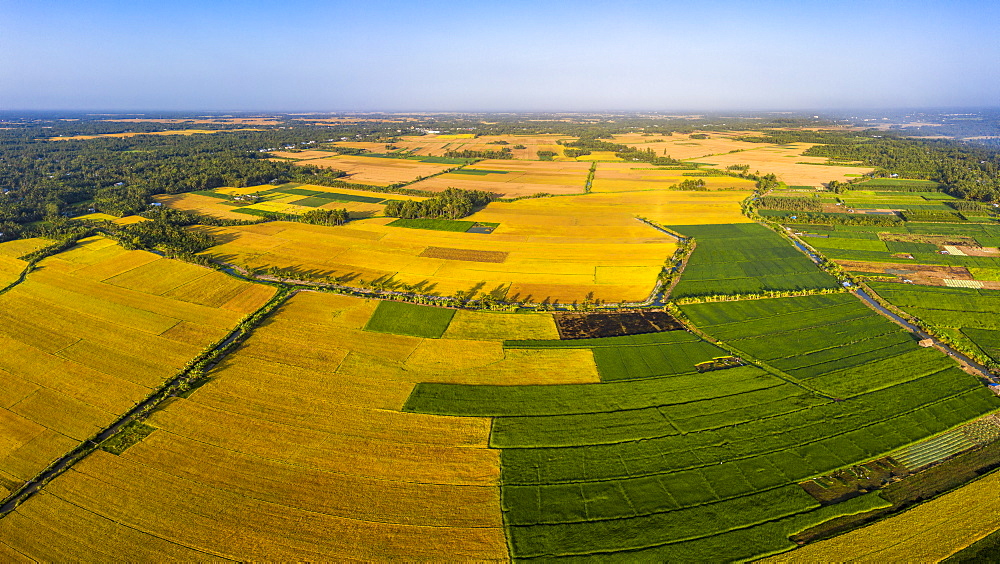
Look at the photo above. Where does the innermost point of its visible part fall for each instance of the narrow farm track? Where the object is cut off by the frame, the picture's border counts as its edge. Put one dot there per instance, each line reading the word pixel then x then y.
pixel 863 295
pixel 194 370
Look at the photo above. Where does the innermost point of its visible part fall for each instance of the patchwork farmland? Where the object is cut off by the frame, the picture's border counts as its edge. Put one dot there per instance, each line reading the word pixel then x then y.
pixel 605 358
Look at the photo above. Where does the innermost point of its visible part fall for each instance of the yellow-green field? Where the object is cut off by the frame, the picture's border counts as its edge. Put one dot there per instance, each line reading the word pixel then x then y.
pixel 513 178
pixel 297 449
pixel 367 170
pixel 11 266
pixel 89 333
pixel 624 177
pixel 929 532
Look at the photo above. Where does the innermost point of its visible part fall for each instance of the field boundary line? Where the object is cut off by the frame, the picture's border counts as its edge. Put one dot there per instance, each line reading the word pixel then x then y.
pixel 137 529
pixel 683 319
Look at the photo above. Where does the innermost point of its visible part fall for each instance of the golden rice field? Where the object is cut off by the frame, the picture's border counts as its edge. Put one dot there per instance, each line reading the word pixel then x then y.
pixel 681 146
pixel 722 149
pixel 242 469
pixel 377 171
pixel 622 177
pixel 513 178
pixel 116 323
pixel 11 266
pixel 127 220
pixel 216 207
pixel 786 164
pixel 437 145
pixel 135 133
pixel 929 532
pixel 557 248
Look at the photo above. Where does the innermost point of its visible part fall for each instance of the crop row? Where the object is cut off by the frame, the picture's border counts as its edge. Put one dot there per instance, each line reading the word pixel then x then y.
pixel 745 258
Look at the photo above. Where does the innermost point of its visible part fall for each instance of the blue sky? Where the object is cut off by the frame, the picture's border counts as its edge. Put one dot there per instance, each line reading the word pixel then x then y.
pixel 310 55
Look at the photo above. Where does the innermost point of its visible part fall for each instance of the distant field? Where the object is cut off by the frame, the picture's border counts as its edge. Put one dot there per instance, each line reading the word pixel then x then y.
pixel 133 134
pixel 614 177
pixel 514 178
pixel 437 145
pixel 557 248
pixel 368 170
pixel 116 324
pixel 291 198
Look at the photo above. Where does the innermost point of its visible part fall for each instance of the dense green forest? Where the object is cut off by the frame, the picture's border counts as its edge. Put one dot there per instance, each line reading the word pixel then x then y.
pixel 966 170
pixel 42 179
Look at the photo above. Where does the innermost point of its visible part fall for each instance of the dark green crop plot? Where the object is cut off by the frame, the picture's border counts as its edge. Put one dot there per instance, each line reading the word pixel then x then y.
pixel 833 343
pixel 312 201
pixel 645 355
pixel 562 399
pixel 478 171
pixel 400 318
pixel 331 196
pixel 666 467
pixel 897 184
pixel 745 259
pixel 434 224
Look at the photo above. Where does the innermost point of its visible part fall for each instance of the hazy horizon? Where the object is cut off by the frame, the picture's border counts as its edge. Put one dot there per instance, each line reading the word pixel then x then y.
pixel 311 56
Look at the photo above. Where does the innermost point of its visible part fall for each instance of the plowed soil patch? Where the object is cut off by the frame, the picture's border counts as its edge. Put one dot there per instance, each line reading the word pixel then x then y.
pixel 471 255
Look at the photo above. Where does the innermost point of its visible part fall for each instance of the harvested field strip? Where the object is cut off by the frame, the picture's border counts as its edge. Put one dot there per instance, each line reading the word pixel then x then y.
pixel 471 255
pixel 583 326
pixel 927 533
pixel 665 337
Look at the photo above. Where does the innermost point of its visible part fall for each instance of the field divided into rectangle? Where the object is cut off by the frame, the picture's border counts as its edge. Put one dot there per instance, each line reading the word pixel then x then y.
pixel 297 448
pixel 745 259
pixel 968 315
pixel 833 342
pixel 669 463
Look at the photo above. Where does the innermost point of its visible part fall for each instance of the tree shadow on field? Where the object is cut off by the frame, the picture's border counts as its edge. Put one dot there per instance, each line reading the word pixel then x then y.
pixel 423 287
pixel 475 289
pixel 498 293
pixel 221 238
